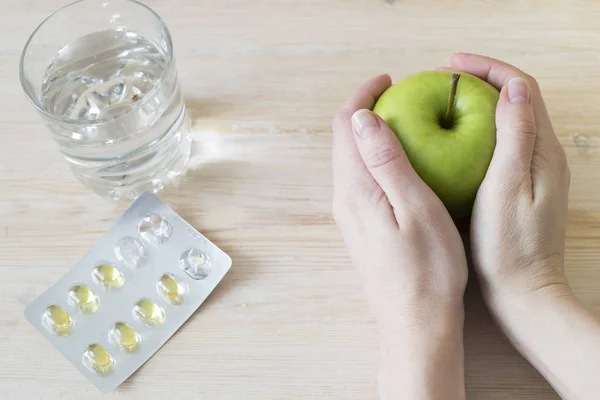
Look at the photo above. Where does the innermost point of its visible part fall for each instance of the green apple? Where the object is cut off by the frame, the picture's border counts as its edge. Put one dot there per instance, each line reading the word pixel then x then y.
pixel 446 124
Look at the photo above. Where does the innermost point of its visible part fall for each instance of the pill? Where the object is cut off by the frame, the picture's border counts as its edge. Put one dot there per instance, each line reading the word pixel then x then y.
pixel 171 289
pixel 125 336
pixel 98 358
pixel 148 312
pixel 108 276
pixel 129 293
pixel 83 298
pixel 58 320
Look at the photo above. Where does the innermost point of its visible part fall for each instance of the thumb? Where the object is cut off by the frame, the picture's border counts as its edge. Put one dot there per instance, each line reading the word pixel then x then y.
pixel 516 130
pixel 384 157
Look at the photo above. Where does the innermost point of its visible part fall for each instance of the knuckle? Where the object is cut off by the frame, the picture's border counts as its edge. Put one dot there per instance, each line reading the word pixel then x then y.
pixel 408 222
pixel 561 160
pixel 347 202
pixel 557 154
pixel 532 81
pixel 553 157
pixel 416 222
pixel 522 128
pixel 380 157
pixel 413 214
pixel 542 161
pixel 567 175
pixel 341 118
pixel 377 197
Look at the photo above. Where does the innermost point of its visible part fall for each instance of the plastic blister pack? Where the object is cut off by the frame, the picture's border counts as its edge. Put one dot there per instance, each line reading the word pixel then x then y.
pixel 130 293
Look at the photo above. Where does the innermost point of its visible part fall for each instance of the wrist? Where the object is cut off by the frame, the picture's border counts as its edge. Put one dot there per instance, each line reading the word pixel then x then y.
pixel 423 358
pixel 533 284
pixel 558 335
pixel 425 320
pixel 513 309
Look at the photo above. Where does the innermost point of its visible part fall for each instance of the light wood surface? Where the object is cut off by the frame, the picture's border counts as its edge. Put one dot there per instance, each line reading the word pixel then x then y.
pixel 262 80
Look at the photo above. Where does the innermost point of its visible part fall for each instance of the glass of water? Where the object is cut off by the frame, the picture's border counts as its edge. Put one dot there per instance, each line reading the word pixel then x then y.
pixel 101 74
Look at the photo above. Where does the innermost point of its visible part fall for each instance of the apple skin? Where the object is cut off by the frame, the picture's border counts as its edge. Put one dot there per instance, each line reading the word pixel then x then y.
pixel 452 162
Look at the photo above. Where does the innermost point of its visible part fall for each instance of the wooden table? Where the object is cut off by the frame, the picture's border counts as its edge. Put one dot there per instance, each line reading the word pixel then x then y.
pixel 262 80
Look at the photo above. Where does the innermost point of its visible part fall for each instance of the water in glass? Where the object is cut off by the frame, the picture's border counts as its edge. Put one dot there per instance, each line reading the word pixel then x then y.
pixel 123 125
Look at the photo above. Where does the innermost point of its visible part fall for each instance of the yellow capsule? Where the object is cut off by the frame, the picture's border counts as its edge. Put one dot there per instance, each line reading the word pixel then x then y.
pixel 83 298
pixel 99 359
pixel 171 289
pixel 126 337
pixel 58 320
pixel 108 276
pixel 149 312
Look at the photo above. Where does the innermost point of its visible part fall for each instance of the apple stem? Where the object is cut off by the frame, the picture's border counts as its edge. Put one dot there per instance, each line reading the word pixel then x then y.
pixel 451 98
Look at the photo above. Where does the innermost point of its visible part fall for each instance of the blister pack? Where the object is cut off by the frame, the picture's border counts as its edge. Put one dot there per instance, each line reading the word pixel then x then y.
pixel 130 293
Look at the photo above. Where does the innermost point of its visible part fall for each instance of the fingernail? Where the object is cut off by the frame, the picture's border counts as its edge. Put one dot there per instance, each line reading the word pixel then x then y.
pixel 363 121
pixel 518 91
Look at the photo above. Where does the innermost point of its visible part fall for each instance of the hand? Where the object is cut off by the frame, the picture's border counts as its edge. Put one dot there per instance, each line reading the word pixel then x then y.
pixel 406 249
pixel 401 239
pixel 518 237
pixel 519 218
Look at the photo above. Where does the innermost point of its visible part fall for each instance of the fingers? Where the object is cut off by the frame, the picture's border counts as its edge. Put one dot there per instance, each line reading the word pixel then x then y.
pixel 547 164
pixel 347 164
pixel 384 157
pixel 498 73
pixel 351 179
pixel 516 133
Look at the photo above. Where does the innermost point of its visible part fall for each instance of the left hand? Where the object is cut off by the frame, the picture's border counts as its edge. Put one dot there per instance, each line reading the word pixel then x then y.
pixel 401 239
pixel 407 251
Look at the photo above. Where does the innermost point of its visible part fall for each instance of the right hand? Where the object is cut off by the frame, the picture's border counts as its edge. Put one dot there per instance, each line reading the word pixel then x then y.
pixel 518 231
pixel 518 225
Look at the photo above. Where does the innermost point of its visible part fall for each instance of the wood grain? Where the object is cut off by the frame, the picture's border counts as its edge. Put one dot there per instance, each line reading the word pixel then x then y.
pixel 263 79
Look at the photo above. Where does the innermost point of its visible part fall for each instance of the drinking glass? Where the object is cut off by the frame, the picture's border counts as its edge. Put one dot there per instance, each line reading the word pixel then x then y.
pixel 101 74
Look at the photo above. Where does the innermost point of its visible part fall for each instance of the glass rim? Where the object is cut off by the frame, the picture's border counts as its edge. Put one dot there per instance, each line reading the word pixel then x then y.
pixel 38 106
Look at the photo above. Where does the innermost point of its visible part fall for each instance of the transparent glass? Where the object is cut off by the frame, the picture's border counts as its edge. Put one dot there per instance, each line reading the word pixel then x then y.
pixel 102 76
